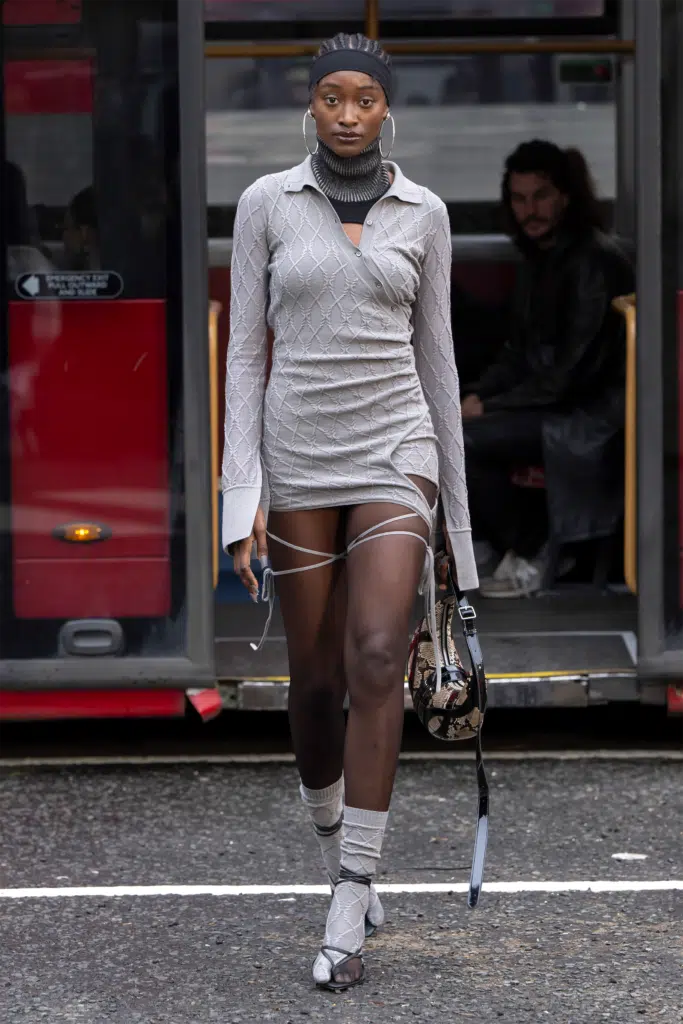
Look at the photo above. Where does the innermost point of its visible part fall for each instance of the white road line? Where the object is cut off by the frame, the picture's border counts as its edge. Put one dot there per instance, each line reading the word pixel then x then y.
pixel 503 888
pixel 151 760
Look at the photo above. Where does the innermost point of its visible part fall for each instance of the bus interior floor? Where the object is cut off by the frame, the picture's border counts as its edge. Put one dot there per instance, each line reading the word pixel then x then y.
pixel 571 629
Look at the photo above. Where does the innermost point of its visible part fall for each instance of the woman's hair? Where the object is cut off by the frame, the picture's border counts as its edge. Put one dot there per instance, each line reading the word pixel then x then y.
pixel 568 171
pixel 356 41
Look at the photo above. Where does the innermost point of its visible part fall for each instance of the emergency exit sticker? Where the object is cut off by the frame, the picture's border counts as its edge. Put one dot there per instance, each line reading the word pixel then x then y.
pixel 42 12
pixel 93 284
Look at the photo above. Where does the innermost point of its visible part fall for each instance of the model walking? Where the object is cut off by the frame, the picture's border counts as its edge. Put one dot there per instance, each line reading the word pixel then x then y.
pixel 344 454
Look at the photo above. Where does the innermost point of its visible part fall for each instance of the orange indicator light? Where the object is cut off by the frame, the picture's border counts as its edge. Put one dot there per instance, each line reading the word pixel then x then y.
pixel 82 533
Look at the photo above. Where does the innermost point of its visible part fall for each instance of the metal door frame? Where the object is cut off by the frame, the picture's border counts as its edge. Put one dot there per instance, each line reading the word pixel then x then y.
pixel 655 660
pixel 197 664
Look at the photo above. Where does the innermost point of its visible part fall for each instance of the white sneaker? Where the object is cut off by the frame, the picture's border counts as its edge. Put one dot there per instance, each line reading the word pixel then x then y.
pixel 483 553
pixel 514 577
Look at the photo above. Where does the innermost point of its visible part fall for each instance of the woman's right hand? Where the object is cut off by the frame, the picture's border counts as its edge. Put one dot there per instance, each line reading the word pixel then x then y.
pixel 241 554
pixel 445 561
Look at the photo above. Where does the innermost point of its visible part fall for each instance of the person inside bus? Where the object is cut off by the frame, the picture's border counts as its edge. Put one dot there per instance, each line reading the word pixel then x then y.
pixel 80 234
pixel 24 255
pixel 555 396
pixel 359 427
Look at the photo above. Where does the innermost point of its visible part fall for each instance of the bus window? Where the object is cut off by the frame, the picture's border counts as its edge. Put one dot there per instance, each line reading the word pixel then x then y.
pixel 275 10
pixel 300 19
pixel 457 118
pixel 91 340
pixel 392 9
pixel 672 320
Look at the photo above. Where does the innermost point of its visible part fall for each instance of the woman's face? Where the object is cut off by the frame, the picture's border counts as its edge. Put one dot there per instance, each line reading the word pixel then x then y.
pixel 349 108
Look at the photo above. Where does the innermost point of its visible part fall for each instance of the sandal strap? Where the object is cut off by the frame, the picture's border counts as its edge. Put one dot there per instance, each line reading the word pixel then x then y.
pixel 329 830
pixel 350 876
pixel 357 955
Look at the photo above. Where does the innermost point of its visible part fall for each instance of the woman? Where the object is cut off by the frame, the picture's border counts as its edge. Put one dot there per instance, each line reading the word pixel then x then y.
pixel 348 262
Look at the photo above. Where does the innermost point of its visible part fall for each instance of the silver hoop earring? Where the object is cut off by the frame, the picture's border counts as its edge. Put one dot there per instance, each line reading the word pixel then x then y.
pixel 385 156
pixel 311 152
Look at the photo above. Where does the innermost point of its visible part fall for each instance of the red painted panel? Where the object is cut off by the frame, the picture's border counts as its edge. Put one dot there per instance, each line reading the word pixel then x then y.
pixel 207 703
pixel 97 588
pixel 42 12
pixel 674 699
pixel 49 87
pixel 89 443
pixel 34 705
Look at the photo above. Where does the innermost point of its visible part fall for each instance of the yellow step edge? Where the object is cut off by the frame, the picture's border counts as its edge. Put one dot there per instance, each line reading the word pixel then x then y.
pixel 491 676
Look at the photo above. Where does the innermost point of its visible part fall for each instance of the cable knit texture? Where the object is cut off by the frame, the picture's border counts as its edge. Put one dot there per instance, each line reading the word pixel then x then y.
pixel 325 807
pixel 363 388
pixel 361 848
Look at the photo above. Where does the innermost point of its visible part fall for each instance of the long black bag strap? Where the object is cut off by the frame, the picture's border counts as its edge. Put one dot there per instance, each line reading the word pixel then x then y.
pixel 467 617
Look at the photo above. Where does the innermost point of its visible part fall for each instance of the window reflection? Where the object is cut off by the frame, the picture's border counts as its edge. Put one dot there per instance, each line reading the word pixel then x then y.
pixel 456 118
pixel 63 211
pixel 275 10
pixel 426 9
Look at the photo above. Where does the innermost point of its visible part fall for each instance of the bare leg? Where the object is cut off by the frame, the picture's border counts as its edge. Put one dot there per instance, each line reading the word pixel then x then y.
pixel 313 607
pixel 314 612
pixel 382 580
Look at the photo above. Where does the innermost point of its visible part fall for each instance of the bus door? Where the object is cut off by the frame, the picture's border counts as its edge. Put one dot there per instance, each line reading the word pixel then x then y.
pixel 471 82
pixel 659 302
pixel 105 494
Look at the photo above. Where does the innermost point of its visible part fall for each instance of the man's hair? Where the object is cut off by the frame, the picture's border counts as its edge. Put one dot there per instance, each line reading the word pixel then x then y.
pixel 568 171
pixel 83 210
pixel 356 41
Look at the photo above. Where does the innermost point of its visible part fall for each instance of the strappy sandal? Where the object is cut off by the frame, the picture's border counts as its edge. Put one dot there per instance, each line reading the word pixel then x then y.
pixel 342 986
pixel 331 830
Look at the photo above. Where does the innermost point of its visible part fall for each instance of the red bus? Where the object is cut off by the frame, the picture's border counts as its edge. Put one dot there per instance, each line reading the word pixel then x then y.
pixel 128 133
pixel 105 568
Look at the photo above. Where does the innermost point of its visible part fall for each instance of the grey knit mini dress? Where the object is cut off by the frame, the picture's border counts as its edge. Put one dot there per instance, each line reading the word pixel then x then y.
pixel 363 388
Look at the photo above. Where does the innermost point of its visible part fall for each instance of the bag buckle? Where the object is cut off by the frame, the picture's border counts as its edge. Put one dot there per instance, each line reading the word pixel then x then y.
pixel 466 611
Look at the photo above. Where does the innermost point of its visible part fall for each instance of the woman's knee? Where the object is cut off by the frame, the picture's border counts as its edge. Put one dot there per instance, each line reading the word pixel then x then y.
pixel 318 692
pixel 374 668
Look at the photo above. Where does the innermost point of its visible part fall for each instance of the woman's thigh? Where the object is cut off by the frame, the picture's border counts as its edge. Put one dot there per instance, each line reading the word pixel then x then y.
pixel 313 601
pixel 383 575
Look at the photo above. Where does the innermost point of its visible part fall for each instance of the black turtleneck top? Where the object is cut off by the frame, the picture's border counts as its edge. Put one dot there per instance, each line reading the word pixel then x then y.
pixel 354 212
pixel 352 184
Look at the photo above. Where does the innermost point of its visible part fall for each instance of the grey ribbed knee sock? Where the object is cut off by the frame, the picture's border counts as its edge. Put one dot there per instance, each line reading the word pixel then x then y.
pixel 361 847
pixel 325 807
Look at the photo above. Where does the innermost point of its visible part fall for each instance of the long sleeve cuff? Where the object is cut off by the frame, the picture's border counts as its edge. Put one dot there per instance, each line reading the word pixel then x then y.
pixel 239 511
pixel 463 556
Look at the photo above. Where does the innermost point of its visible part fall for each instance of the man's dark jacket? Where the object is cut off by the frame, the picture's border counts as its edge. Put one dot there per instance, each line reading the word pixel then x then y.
pixel 566 357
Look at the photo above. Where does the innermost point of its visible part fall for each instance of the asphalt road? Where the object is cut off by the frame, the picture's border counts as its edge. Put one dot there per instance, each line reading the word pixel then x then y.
pixel 522 956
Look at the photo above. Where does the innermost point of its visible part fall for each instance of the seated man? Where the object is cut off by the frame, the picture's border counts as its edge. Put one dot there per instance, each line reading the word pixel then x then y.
pixel 555 395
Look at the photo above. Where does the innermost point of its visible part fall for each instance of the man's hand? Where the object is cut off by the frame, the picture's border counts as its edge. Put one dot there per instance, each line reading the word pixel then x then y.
pixel 472 406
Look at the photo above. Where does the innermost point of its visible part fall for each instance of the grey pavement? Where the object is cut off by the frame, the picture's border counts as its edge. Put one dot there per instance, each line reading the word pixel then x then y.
pixel 571 958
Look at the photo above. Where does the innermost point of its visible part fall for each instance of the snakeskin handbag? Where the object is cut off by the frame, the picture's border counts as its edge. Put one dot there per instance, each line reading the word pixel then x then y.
pixel 453 707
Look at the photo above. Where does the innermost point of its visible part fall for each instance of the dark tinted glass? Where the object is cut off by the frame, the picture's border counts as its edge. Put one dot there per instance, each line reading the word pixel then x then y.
pixel 672 303
pixel 91 468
